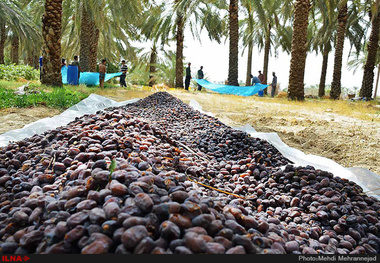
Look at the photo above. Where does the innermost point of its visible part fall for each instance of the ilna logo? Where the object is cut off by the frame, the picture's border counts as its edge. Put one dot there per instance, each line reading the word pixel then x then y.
pixel 14 258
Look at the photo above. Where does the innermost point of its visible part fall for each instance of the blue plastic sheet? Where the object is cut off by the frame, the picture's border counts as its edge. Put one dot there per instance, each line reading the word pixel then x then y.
pixel 88 78
pixel 227 89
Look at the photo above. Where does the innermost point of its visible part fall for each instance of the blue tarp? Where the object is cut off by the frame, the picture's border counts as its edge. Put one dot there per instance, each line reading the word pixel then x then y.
pixel 88 78
pixel 227 89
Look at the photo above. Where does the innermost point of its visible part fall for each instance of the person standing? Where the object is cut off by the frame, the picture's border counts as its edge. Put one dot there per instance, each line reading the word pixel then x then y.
pixel 76 63
pixel 188 77
pixel 261 77
pixel 274 84
pixel 40 61
pixel 123 75
pixel 102 72
pixel 200 75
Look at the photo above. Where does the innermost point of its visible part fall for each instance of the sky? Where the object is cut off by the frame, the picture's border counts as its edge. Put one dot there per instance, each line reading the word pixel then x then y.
pixel 214 59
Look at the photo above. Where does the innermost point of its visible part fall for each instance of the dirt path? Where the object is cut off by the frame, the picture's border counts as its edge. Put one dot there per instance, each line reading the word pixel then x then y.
pixel 349 141
pixel 16 118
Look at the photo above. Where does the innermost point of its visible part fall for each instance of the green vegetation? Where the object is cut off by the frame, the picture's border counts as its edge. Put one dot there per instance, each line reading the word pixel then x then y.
pixel 15 72
pixel 61 98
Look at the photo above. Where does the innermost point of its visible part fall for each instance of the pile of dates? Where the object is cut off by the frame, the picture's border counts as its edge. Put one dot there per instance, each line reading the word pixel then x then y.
pixel 158 177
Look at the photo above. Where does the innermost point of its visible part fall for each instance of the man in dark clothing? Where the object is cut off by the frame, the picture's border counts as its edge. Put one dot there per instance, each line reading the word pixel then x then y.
pixel 274 84
pixel 200 76
pixel 76 63
pixel 261 76
pixel 123 69
pixel 188 77
pixel 40 61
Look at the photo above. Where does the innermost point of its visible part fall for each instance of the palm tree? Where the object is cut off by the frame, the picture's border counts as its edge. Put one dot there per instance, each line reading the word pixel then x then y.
pixel 14 19
pixel 340 36
pixel 104 30
pixel 179 51
pixel 267 17
pixel 233 61
pixel 322 81
pixel 15 49
pixel 324 28
pixel 87 31
pixel 326 20
pixel 248 26
pixel 3 37
pixel 299 47
pixel 150 30
pixel 33 48
pixel 372 48
pixel 359 60
pixel 51 51
pixel 377 80
pixel 197 15
pixel 81 18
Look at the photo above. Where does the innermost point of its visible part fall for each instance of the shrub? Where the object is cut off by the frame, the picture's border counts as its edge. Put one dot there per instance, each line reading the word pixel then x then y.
pixel 15 72
pixel 61 98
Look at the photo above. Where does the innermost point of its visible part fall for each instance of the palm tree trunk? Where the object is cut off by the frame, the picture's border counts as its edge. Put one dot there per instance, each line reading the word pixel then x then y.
pixel 3 37
pixel 233 72
pixel 266 56
pixel 85 40
pixel 298 53
pixel 377 80
pixel 322 81
pixel 14 50
pixel 36 64
pixel 152 66
pixel 94 47
pixel 373 45
pixel 179 52
pixel 51 51
pixel 32 58
pixel 249 64
pixel 340 35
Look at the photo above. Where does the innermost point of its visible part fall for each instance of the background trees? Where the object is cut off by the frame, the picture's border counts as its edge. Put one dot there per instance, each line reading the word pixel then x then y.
pixel 149 33
pixel 17 25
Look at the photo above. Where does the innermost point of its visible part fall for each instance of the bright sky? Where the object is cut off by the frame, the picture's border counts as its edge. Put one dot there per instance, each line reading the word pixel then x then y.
pixel 214 59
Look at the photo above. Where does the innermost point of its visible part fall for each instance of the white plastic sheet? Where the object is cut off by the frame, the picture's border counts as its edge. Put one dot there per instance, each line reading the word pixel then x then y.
pixel 363 177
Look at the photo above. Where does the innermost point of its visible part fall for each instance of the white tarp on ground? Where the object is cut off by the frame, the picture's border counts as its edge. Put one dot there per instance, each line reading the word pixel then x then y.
pixel 363 177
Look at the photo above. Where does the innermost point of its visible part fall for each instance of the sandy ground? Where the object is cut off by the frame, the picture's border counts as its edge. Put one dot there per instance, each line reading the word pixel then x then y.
pixel 16 118
pixel 349 141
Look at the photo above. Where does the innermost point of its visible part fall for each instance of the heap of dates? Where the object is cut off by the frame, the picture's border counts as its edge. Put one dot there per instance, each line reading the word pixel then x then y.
pixel 158 177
